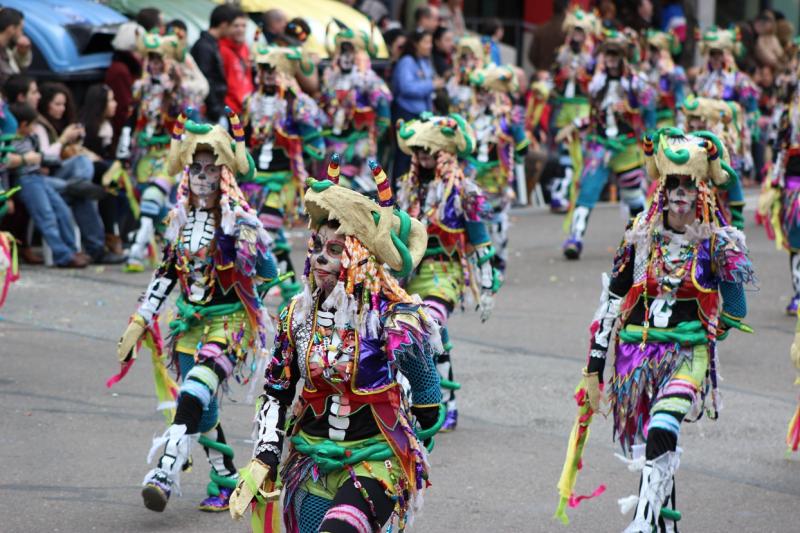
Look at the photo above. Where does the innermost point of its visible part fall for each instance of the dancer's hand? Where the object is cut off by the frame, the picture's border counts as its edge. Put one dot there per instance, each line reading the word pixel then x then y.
pixel 132 334
pixel 794 352
pixel 251 481
pixel 593 392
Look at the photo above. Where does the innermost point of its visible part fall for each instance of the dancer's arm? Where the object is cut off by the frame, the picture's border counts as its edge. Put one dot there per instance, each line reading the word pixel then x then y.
pixel 157 293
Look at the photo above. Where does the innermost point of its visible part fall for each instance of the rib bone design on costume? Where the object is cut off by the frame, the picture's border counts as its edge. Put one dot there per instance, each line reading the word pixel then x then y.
pixel 268 436
pixel 198 233
pixel 613 96
pixel 795 267
pixel 177 446
pixel 656 486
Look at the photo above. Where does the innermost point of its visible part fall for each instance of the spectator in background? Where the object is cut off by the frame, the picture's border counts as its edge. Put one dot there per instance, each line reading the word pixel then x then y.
pixel 15 47
pixel 96 114
pixel 547 38
pixel 426 19
pixel 126 68
pixel 413 85
pixel 443 45
pixel 206 52
pixel 768 48
pixel 21 88
pixel 493 32
pixel 236 63
pixel 375 10
pixel 48 210
pixel 273 24
pixel 150 18
pixel 395 40
pixel 451 16
pixel 673 18
pixel 70 170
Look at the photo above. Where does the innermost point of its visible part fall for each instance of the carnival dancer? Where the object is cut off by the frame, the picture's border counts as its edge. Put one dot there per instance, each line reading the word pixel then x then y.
pixel 675 290
pixel 572 72
pixel 355 101
pixel 610 138
pixel 667 79
pixel 720 78
pixel 9 265
pixel 779 203
pixel 283 126
pixel 726 120
pixel 500 140
pixel 470 55
pixel 157 96
pixel 354 460
pixel 217 253
pixel 457 263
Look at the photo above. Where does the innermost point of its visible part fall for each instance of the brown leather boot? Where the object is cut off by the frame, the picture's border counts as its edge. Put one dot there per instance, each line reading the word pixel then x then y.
pixel 114 244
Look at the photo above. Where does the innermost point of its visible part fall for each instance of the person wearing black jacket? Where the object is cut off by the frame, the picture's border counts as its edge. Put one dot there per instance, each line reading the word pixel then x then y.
pixel 206 53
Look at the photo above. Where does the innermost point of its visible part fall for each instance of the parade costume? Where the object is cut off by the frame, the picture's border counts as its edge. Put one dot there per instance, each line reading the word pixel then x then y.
pixel 9 263
pixel 500 141
pixel 667 79
pixel 470 55
pixel 457 263
pixel 283 126
pixel 725 119
pixel 671 296
pixel 571 76
pixel 217 254
pixel 727 82
pixel 356 102
pixel 157 98
pixel 610 139
pixel 354 461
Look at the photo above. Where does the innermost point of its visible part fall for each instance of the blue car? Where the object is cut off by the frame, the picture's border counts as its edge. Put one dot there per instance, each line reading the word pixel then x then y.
pixel 71 39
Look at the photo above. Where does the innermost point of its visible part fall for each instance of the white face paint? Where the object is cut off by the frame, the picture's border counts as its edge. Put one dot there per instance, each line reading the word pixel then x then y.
pixel 681 197
pixel 204 176
pixel 347 61
pixel 326 258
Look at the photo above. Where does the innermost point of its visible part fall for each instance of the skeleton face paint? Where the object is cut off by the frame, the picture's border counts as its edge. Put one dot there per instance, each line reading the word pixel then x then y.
pixel 346 61
pixel 326 257
pixel 681 195
pixel 204 176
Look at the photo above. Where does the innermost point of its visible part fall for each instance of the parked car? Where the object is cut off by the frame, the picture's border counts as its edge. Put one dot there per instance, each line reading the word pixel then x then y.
pixel 71 39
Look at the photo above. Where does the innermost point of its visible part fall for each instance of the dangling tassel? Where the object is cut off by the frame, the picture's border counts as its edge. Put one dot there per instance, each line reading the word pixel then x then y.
pixel 306 300
pixel 228 221
pixel 628 504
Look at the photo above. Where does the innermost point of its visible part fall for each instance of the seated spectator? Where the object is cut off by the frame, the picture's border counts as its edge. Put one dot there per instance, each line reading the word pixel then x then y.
pixel 69 167
pixel 96 114
pixel 48 210
pixel 236 63
pixel 15 47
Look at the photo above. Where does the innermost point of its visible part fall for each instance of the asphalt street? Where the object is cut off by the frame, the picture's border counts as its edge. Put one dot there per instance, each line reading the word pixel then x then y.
pixel 72 452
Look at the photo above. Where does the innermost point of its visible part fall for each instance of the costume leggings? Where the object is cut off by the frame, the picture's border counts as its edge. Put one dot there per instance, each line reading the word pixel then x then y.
pixel 197 403
pixel 440 311
pixel 673 403
pixel 348 512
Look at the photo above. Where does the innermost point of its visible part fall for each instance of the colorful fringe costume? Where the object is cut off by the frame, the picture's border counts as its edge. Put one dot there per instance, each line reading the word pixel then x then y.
pixel 9 265
pixel 355 101
pixel 457 261
pixel 283 126
pixel 571 77
pixel 157 98
pixel 354 460
pixel 500 141
pixel 219 258
pixel 671 297
pixel 667 79
pixel 610 140
pixel 779 204
pixel 470 56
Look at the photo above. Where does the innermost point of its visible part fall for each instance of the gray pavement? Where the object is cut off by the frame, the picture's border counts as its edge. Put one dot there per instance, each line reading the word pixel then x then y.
pixel 73 452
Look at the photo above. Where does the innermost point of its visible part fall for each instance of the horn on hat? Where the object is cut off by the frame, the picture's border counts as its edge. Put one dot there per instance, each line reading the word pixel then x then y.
pixel 173 163
pixel 242 164
pixel 385 198
pixel 333 168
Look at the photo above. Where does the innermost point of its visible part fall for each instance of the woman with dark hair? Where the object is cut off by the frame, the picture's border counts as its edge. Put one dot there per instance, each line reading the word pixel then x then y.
pixel 443 46
pixel 413 84
pixel 71 171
